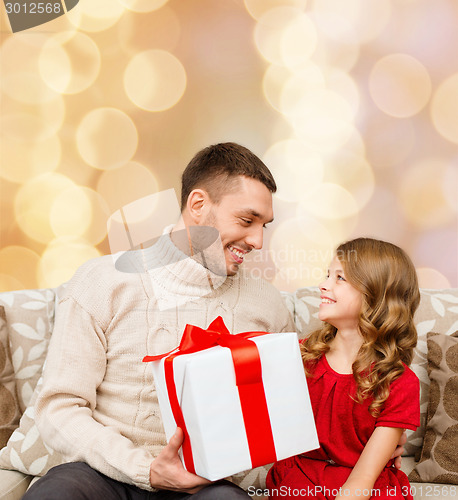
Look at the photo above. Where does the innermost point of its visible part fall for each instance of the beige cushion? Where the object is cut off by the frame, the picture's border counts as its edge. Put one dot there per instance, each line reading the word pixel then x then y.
pixel 439 455
pixel 30 320
pixel 9 408
pixel 13 484
pixel 30 315
pixel 436 312
pixel 25 450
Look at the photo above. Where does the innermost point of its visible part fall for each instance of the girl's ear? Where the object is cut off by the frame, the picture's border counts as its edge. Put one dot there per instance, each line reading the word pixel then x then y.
pixel 197 205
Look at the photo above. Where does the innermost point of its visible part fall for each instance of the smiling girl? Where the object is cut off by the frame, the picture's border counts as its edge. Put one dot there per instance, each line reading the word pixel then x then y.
pixel 363 394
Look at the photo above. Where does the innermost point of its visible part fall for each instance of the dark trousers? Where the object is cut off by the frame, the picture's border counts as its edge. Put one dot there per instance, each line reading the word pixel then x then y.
pixel 78 481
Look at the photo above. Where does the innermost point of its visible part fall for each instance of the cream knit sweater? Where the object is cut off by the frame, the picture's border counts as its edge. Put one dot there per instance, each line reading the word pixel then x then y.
pixel 98 403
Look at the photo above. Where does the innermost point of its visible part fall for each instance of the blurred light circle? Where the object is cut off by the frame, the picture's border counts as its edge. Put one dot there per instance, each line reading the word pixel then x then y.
pixel 20 73
pixel 343 20
pixel 123 185
pixel 257 8
pixel 298 41
pixel 62 258
pixel 444 109
pixel 450 186
pixel 343 84
pixel 155 80
pixel 351 170
pixel 297 169
pixel 33 204
pixel 273 82
pixel 400 85
pixel 307 78
pixel 160 29
pixel 95 16
pixel 337 54
pixel 69 64
pixel 22 159
pixel 80 211
pixel 21 263
pixel 35 122
pixel 106 138
pixel 301 250
pixel 143 5
pixel 322 119
pixel 9 283
pixel 71 212
pixel 329 201
pixel 431 278
pixel 277 32
pixel 421 194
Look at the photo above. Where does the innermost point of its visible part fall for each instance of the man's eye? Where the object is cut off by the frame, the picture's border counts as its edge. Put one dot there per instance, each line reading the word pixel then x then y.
pixel 246 221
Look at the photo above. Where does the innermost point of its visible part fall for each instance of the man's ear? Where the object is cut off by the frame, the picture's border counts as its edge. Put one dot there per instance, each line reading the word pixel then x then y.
pixel 197 205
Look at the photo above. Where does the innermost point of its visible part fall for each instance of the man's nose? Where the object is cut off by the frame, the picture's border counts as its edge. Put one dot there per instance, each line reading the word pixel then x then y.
pixel 255 238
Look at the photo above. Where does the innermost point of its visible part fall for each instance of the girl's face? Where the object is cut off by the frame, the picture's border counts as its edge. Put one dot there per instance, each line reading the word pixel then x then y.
pixel 340 302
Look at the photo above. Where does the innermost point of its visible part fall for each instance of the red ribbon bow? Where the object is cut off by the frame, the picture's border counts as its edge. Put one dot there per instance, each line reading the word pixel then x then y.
pixel 248 374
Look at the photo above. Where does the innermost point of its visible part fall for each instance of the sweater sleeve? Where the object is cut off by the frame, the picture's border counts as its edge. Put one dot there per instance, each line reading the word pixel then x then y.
pixel 75 366
pixel 402 408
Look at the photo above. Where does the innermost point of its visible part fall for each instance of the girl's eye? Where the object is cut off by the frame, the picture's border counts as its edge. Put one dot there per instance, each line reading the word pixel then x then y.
pixel 340 277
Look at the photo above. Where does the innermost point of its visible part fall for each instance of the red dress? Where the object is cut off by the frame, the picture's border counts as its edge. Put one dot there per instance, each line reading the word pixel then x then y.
pixel 344 427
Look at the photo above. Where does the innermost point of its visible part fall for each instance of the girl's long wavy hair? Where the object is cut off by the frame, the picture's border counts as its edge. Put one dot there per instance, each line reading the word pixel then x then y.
pixel 387 280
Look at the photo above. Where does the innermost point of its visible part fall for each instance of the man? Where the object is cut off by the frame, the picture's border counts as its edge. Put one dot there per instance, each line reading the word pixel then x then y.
pixel 98 406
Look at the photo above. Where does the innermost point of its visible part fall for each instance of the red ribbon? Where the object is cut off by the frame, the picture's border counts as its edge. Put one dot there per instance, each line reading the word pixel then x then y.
pixel 248 374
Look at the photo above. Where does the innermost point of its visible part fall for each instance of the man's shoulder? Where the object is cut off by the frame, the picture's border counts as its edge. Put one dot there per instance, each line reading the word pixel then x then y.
pixel 99 275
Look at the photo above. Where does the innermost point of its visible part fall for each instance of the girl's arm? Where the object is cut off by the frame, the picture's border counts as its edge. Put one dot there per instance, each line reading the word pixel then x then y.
pixel 370 464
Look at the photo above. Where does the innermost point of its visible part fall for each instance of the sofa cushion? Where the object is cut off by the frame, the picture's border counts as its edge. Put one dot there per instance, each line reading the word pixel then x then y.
pixel 439 455
pixel 30 320
pixel 437 312
pixel 13 484
pixel 25 450
pixel 9 408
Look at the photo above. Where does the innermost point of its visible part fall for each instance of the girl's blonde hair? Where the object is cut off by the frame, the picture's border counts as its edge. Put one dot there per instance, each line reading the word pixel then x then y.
pixel 386 278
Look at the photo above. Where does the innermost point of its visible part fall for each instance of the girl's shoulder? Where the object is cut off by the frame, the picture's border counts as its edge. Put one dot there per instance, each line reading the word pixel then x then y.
pixel 407 379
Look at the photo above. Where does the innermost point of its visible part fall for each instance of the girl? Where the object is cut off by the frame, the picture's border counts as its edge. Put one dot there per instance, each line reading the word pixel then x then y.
pixel 363 394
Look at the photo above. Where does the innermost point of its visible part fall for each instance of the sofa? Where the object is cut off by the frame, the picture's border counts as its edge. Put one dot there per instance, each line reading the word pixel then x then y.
pixel 431 456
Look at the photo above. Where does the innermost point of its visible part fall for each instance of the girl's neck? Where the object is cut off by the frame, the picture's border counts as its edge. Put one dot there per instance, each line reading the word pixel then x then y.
pixel 343 350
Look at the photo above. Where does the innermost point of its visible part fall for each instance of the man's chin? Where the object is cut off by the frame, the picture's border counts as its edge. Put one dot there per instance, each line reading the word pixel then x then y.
pixel 232 269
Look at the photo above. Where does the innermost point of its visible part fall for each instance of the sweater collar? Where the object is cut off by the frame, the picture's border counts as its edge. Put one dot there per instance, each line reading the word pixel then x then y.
pixel 177 277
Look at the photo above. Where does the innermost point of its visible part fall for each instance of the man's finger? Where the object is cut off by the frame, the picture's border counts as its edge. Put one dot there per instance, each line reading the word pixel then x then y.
pixel 175 442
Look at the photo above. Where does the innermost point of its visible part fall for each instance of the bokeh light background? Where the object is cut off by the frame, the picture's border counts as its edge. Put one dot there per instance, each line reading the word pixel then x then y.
pixel 352 104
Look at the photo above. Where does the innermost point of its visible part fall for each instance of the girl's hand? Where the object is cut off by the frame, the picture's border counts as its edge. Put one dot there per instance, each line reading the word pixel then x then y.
pixel 397 455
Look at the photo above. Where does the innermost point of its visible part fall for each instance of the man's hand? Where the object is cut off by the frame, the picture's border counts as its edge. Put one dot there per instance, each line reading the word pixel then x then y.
pixel 167 471
pixel 399 450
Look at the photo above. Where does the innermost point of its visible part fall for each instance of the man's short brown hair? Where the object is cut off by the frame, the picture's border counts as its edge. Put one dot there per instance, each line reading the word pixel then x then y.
pixel 216 167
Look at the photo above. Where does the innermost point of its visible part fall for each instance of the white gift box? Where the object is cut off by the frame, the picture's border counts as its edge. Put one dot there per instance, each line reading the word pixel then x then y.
pixel 207 393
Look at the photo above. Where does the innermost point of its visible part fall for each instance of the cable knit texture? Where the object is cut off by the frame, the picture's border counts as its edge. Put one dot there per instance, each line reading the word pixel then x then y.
pixel 98 402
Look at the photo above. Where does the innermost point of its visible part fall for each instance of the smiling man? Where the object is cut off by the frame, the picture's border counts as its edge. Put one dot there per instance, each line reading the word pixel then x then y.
pixel 99 406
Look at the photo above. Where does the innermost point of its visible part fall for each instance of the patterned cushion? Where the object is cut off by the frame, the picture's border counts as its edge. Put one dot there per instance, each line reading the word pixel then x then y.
pixel 439 456
pixel 30 319
pixel 25 450
pixel 9 408
pixel 435 313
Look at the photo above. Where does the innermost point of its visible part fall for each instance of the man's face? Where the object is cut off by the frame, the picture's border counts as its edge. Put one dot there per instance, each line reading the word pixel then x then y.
pixel 240 217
